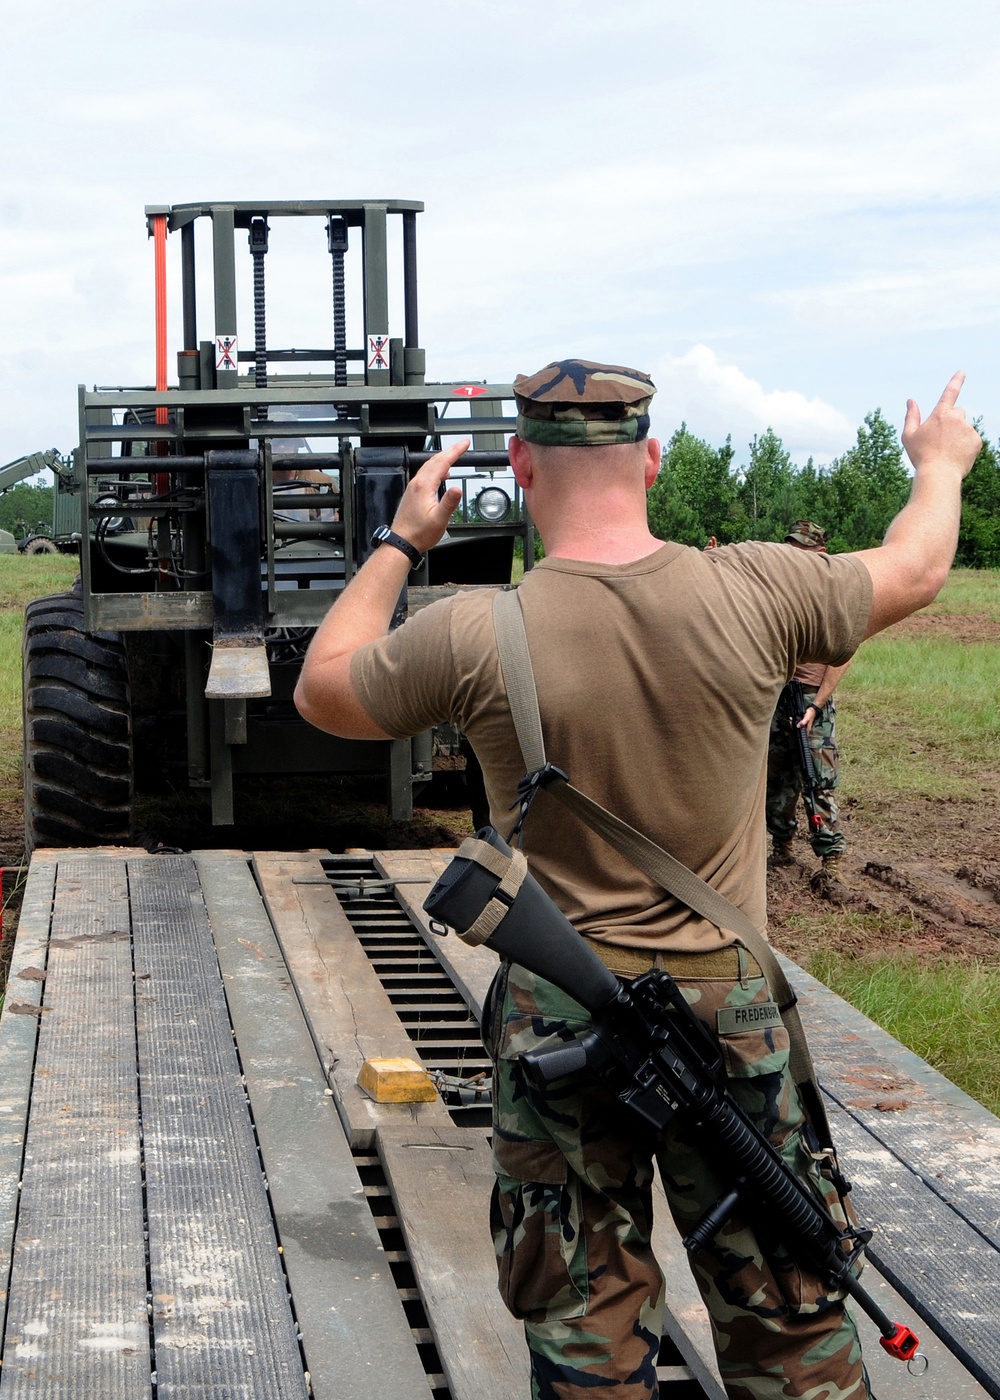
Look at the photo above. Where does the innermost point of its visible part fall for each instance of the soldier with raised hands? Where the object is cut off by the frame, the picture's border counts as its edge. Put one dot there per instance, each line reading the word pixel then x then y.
pixel 657 669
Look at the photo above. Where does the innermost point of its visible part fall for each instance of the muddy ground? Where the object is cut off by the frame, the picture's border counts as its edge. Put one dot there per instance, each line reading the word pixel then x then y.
pixel 921 875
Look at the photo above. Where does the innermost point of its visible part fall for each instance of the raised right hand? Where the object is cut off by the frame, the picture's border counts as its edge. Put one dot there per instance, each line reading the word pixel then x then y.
pixel 945 437
pixel 422 516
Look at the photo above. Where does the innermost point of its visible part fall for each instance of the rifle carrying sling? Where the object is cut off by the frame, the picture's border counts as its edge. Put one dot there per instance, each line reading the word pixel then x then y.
pixel 658 864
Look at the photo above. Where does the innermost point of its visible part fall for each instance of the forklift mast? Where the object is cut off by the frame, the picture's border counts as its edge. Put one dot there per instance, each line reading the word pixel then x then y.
pixel 224 512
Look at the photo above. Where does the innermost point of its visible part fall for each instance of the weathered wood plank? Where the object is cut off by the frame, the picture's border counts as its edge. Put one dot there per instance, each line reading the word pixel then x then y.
pixel 688 1326
pixel 355 1334
pixel 945 1374
pixel 222 1323
pixel 918 1150
pixel 18 1040
pixel 76 1317
pixel 441 1179
pixel 922 1156
pixel 348 1011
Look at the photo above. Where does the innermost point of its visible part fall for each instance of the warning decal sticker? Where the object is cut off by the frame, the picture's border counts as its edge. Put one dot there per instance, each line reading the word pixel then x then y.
pixel 378 352
pixel 225 352
pixel 470 391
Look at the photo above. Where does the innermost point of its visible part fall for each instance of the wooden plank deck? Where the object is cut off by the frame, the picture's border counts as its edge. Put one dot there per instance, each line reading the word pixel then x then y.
pixel 441 1180
pixel 440 1175
pixel 922 1156
pixel 221 1311
pixel 350 1015
pixel 346 1303
pixel 184 1155
pixel 184 1170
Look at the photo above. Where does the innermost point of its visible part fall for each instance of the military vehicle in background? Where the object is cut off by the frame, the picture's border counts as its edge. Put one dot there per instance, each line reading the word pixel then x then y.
pixel 61 534
pixel 224 513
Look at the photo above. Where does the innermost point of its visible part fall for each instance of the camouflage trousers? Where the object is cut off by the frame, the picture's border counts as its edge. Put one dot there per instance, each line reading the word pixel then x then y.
pixel 784 779
pixel 572 1218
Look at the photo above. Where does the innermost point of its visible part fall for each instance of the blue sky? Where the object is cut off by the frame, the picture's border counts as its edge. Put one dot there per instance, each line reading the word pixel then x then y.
pixel 786 210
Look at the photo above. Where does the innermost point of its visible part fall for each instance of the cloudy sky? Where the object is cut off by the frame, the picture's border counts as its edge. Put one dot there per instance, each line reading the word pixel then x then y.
pixel 787 210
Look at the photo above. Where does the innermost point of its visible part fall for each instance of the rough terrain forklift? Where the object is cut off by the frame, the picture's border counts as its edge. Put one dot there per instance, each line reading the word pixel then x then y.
pixel 221 516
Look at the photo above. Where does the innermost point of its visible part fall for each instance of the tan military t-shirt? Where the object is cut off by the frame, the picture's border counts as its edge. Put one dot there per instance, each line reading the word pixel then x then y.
pixel 656 685
pixel 809 675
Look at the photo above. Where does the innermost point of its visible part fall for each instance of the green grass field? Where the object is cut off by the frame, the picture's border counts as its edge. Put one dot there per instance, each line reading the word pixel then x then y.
pixel 970 592
pixel 22 578
pixel 920 713
pixel 948 1014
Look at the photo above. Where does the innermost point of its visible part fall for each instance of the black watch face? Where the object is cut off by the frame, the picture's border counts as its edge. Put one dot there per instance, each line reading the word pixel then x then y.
pixel 380 533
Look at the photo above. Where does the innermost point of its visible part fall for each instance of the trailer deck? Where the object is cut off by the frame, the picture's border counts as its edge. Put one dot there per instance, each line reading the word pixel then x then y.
pixel 197 1199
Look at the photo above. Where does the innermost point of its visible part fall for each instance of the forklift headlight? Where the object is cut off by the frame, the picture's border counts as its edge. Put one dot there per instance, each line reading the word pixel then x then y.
pixel 114 523
pixel 492 504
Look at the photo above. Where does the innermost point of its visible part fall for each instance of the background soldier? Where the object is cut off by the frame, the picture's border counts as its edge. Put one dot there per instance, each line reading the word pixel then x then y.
pixel 784 765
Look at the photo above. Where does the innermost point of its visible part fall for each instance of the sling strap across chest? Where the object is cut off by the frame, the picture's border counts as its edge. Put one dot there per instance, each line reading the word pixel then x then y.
pixel 668 872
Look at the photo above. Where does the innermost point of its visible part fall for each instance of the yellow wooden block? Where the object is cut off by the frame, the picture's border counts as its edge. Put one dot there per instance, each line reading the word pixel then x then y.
pixel 396 1081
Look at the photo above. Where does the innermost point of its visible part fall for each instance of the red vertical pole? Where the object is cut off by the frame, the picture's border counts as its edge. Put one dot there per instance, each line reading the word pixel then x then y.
pixel 161 480
pixel 160 273
pixel 160 263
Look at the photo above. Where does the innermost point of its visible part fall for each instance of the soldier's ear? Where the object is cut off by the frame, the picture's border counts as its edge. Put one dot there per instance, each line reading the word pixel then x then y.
pixel 653 459
pixel 520 462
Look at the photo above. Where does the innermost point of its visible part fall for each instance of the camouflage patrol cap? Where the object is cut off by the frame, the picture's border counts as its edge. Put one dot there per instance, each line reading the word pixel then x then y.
pixel 579 403
pixel 807 533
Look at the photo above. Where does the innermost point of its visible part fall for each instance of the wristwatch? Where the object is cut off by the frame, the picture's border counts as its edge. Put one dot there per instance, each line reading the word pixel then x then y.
pixel 383 535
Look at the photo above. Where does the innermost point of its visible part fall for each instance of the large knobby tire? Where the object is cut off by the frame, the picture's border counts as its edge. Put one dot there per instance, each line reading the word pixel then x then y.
pixel 77 729
pixel 41 545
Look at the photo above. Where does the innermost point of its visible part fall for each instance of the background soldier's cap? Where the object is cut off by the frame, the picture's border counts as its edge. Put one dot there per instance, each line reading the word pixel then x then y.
pixel 808 533
pixel 579 403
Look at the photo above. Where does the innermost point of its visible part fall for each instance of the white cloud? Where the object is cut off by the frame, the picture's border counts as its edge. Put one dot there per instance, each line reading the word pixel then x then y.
pixel 716 399
pixel 920 299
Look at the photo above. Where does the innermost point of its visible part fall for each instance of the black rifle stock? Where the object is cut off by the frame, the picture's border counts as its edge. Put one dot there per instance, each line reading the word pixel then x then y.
pixel 659 1060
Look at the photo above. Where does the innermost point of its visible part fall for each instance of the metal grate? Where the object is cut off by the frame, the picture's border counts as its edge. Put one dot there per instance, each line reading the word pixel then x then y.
pixel 444 1032
pixel 383 1210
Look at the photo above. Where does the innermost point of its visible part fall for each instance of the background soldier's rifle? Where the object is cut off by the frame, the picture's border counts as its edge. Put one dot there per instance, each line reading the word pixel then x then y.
pixel 794 701
pixel 657 1058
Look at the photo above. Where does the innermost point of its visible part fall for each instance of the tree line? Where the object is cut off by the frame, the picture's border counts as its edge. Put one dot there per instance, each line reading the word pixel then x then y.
pixel 701 491
pixel 23 508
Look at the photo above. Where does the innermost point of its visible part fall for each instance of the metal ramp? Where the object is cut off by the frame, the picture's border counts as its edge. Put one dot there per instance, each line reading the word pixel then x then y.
pixel 191 1221
pixel 197 1200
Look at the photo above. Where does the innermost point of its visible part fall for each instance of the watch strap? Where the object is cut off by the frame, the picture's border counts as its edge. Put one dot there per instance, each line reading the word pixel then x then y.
pixel 383 535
